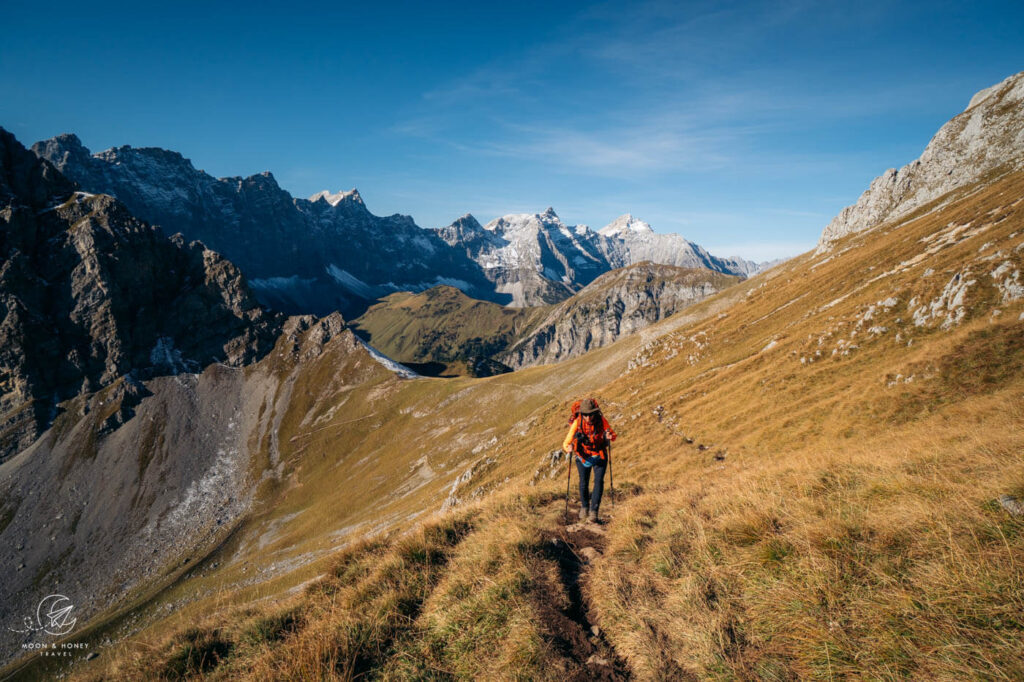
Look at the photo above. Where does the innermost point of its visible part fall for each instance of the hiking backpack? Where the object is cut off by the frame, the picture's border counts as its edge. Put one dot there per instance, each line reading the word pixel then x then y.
pixel 595 442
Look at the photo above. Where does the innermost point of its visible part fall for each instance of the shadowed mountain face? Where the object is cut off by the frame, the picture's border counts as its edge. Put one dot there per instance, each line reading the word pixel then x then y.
pixel 89 293
pixel 140 401
pixel 300 256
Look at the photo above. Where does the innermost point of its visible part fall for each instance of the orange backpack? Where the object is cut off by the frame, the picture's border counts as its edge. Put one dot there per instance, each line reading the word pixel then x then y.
pixel 591 441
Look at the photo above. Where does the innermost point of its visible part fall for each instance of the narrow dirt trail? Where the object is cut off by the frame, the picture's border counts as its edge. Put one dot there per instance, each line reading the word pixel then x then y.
pixel 573 626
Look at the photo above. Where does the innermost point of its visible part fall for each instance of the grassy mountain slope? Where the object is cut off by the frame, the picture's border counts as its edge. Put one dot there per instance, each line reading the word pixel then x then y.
pixel 442 326
pixel 819 473
pixel 443 332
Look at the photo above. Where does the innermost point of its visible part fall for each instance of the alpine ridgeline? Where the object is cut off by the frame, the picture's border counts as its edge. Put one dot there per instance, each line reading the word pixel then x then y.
pixel 300 256
pixel 987 138
pixel 89 293
pixel 330 253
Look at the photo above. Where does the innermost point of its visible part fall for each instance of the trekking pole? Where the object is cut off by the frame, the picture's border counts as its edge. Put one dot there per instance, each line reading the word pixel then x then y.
pixel 568 478
pixel 611 476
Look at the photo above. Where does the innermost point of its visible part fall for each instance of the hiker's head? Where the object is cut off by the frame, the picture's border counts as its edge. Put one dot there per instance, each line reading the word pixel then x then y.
pixel 588 408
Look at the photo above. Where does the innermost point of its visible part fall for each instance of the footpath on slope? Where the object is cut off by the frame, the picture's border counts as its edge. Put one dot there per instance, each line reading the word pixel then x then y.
pixel 573 626
pixel 574 547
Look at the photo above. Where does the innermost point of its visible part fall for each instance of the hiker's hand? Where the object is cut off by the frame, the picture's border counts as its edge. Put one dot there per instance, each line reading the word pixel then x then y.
pixel 613 436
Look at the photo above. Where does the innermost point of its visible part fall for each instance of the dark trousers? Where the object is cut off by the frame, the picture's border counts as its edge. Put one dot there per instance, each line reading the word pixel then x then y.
pixel 588 499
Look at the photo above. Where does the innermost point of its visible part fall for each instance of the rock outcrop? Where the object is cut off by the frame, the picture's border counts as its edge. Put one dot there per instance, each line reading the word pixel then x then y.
pixel 89 293
pixel 614 305
pixel 988 137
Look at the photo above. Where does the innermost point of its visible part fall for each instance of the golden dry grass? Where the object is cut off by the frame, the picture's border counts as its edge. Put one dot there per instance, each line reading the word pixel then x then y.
pixel 794 512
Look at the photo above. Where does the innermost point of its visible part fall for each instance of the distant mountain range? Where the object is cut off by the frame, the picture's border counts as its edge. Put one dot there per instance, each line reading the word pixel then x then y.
pixel 329 252
pixel 537 259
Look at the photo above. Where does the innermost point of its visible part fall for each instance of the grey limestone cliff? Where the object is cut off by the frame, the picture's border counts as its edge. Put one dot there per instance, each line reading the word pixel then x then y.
pixel 988 137
pixel 614 305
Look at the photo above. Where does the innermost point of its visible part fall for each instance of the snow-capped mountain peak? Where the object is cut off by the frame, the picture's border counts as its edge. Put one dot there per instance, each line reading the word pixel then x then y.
pixel 625 224
pixel 528 222
pixel 338 197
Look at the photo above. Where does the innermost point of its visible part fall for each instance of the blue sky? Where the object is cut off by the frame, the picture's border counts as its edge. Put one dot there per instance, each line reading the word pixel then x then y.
pixel 744 126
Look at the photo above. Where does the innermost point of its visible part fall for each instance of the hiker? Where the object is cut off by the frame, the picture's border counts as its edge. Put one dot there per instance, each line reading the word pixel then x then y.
pixel 589 435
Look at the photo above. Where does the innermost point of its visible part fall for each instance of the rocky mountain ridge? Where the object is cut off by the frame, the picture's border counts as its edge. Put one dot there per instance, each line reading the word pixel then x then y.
pixel 616 304
pixel 89 293
pixel 988 137
pixel 142 390
pixel 329 252
pixel 300 256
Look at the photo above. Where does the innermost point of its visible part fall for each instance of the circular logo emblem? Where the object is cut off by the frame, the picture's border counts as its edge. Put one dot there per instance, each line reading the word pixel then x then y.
pixel 54 615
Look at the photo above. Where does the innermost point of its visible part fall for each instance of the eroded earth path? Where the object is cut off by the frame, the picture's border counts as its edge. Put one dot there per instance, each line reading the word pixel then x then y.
pixel 561 598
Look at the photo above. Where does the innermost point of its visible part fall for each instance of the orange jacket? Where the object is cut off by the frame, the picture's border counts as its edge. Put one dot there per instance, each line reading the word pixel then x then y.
pixel 589 430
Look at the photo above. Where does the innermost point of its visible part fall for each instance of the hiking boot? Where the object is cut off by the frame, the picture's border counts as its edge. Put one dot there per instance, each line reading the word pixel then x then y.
pixel 593 516
pixel 583 513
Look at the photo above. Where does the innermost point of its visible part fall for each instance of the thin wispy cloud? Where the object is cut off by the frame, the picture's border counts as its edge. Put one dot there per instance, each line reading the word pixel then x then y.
pixel 643 147
pixel 670 112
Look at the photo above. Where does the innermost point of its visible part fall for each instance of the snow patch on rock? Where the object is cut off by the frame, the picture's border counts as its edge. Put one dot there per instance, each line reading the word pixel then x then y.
pixel 396 367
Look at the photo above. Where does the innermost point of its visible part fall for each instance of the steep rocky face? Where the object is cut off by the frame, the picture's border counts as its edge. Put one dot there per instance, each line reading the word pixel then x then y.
pixel 301 256
pixel 534 258
pixel 89 293
pixel 614 305
pixel 539 260
pixel 988 137
pixel 124 505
